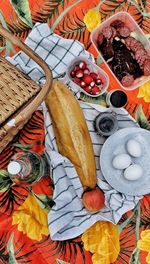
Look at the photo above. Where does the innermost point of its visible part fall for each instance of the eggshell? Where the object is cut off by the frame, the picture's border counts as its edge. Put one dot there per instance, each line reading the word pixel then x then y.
pixel 133 172
pixel 121 161
pixel 134 148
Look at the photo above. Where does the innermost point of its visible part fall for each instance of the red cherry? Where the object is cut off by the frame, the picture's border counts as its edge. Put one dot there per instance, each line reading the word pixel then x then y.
pixel 86 71
pixel 95 90
pixel 98 81
pixel 92 84
pixel 87 79
pixel 79 74
pixel 82 65
pixel 93 75
pixel 72 74
pixel 76 68
pixel 88 89
pixel 82 84
pixel 76 80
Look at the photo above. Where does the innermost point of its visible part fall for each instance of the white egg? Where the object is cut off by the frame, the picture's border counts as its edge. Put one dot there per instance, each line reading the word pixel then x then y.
pixel 121 161
pixel 134 148
pixel 133 172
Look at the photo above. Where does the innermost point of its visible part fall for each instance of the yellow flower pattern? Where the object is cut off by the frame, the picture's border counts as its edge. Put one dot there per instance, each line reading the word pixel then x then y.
pixel 31 219
pixel 92 19
pixel 102 239
pixel 144 92
pixel 144 243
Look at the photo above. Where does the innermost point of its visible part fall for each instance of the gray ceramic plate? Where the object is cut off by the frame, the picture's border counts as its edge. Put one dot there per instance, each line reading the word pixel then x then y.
pixel 116 144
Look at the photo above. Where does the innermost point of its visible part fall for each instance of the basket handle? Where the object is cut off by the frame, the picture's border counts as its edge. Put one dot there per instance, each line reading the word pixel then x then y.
pixel 48 73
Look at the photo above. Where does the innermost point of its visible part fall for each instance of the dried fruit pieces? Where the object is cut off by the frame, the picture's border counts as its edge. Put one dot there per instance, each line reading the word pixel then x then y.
pixel 140 54
pixel 124 32
pixel 127 80
pixel 146 67
pixel 117 24
pixel 107 32
pixel 125 55
pixel 124 65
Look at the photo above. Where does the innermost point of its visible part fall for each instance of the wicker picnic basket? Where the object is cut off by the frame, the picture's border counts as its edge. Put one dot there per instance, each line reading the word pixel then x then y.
pixel 19 95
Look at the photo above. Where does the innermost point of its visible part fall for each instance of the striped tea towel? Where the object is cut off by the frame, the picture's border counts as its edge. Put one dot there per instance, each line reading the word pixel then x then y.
pixel 68 218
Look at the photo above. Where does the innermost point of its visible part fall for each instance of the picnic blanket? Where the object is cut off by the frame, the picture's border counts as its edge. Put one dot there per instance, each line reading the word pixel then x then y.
pixel 24 232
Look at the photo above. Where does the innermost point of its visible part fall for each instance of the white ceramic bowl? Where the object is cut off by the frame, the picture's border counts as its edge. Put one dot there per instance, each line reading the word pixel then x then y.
pixel 115 145
pixel 93 68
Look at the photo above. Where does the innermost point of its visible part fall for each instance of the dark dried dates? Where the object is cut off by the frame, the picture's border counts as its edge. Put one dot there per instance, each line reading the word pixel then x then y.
pixel 125 55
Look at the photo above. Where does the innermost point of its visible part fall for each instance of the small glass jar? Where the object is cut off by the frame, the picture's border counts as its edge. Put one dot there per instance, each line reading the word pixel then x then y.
pixel 116 99
pixel 106 124
pixel 28 167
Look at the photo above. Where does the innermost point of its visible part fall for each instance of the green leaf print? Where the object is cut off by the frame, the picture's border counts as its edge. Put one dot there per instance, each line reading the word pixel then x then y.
pixel 141 118
pixel 5 181
pixel 100 100
pixel 135 257
pixel 45 201
pixel 64 13
pixel 22 9
pixel 59 261
pixel 8 46
pixel 10 248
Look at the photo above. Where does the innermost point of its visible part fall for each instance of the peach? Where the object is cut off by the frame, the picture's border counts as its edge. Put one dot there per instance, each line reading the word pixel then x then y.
pixel 93 199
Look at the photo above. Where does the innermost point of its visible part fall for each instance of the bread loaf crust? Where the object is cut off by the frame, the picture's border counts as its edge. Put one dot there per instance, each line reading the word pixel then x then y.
pixel 72 135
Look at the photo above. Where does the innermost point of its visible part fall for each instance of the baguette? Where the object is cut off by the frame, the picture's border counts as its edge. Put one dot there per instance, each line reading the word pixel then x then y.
pixel 72 135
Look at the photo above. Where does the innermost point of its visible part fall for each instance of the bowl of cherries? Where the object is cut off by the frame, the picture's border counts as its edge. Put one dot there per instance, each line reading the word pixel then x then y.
pixel 90 79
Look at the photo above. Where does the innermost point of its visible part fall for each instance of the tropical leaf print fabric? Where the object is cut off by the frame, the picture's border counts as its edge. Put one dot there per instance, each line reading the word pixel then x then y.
pixel 24 233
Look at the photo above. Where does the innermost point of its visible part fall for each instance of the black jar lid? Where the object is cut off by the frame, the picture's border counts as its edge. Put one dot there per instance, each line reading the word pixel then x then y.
pixel 106 123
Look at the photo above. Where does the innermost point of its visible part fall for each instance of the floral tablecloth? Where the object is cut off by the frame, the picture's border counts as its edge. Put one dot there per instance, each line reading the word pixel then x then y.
pixel 24 233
